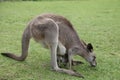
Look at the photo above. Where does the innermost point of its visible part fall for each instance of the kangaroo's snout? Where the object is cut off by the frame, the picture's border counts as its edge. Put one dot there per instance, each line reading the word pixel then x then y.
pixel 93 64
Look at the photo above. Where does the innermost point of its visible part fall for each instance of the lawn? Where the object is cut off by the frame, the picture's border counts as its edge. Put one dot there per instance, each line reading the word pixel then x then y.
pixel 96 21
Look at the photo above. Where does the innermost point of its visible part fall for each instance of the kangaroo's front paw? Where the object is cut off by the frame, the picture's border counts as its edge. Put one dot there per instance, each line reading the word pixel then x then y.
pixel 74 63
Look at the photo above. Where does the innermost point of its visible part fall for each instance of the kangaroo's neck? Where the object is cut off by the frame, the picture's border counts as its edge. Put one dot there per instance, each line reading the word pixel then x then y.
pixel 73 39
pixel 68 36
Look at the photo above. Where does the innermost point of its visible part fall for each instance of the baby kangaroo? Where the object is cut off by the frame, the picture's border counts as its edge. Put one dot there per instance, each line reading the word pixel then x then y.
pixel 57 34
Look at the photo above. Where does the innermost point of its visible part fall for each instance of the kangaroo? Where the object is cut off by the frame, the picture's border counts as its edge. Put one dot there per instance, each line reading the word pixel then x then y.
pixel 57 34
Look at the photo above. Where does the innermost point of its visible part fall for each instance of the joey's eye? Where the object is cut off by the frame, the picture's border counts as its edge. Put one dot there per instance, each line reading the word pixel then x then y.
pixel 94 58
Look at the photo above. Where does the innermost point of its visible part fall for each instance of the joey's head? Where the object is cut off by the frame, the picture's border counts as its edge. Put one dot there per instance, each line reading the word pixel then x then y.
pixel 86 51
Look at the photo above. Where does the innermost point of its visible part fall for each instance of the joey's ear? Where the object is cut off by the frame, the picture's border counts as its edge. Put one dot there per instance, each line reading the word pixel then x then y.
pixel 89 47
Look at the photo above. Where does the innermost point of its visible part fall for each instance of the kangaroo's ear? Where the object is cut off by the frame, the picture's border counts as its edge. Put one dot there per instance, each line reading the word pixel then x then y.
pixel 83 43
pixel 90 47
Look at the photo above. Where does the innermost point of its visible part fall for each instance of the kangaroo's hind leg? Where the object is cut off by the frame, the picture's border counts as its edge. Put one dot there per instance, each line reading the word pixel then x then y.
pixel 46 30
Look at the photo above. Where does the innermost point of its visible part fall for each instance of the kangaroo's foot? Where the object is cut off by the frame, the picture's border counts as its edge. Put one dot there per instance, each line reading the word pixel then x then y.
pixel 70 72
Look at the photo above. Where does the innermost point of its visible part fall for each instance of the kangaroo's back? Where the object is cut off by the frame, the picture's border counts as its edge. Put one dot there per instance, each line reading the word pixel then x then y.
pixel 67 34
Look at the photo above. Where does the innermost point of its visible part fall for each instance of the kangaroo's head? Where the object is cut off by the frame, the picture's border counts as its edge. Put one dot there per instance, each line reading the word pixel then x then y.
pixel 89 55
pixel 86 51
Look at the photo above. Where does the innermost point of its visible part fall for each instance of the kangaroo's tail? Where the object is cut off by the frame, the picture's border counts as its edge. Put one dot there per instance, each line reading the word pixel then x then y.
pixel 25 45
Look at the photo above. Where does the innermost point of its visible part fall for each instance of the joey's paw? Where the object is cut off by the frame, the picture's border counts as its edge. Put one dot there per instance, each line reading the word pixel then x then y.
pixel 74 70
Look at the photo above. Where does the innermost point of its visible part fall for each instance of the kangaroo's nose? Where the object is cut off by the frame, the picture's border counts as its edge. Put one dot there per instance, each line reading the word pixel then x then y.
pixel 94 64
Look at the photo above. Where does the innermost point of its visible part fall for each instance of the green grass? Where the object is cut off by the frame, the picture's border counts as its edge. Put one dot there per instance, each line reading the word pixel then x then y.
pixel 96 21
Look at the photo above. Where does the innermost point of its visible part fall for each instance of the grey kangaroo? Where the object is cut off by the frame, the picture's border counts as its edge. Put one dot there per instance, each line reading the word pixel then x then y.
pixel 57 34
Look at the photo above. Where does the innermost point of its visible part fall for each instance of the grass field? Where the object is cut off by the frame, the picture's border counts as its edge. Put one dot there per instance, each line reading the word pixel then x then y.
pixel 96 21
